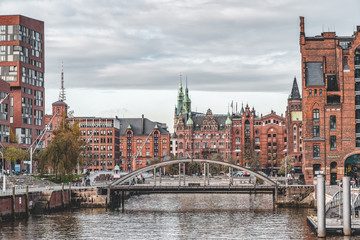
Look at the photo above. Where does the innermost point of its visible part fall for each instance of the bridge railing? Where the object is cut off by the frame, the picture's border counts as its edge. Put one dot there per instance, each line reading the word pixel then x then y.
pixel 335 201
pixel 355 204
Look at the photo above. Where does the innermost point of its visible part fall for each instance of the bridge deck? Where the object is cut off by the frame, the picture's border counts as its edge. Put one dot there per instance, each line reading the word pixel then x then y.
pixel 195 189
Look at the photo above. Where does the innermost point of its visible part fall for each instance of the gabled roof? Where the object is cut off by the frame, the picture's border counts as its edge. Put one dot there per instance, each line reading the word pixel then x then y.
pixel 295 94
pixel 136 127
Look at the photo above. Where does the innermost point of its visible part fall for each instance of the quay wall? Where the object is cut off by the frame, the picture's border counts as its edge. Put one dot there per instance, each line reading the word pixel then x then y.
pixel 23 204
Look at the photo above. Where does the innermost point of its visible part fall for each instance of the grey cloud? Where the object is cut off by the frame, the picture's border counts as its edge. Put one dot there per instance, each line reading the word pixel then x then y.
pixel 221 45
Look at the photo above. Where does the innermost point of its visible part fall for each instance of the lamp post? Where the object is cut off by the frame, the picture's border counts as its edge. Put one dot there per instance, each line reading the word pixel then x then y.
pixel 339 181
pixel 2 172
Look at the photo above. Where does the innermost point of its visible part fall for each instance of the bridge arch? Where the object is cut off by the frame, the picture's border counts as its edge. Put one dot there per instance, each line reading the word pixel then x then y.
pixel 131 175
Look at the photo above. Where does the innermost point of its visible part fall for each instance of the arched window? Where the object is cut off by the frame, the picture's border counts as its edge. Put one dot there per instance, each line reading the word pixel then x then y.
pixel 181 145
pixel 316 115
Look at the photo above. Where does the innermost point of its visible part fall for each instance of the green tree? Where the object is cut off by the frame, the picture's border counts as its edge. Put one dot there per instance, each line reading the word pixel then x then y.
pixel 13 154
pixel 194 168
pixel 63 152
pixel 253 159
pixel 216 168
pixel 172 170
pixel 290 165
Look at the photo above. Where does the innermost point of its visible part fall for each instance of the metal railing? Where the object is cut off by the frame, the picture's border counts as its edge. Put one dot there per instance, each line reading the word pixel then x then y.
pixel 335 201
pixel 355 204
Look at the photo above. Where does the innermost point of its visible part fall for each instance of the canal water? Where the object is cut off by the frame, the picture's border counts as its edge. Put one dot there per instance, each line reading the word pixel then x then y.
pixel 177 216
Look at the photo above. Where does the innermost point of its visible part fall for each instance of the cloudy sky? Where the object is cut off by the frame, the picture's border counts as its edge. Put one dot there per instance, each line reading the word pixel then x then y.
pixel 124 57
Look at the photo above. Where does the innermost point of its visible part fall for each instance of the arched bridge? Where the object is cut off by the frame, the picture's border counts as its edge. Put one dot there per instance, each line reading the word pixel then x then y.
pixel 131 175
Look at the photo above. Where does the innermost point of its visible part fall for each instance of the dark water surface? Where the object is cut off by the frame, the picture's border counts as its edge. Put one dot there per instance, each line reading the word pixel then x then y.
pixel 181 216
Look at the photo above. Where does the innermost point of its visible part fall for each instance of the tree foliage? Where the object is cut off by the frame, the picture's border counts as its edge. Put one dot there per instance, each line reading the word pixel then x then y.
pixel 194 168
pixel 290 165
pixel 13 154
pixel 253 159
pixel 63 152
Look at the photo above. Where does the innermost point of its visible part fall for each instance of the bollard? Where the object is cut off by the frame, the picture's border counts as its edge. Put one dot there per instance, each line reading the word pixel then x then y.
pixel 27 201
pixel 321 206
pixel 13 199
pixel 346 206
pixel 108 201
pixel 69 195
pixel 62 196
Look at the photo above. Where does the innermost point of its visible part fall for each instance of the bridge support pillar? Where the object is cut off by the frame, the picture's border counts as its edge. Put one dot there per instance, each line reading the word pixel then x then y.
pixel 321 206
pixel 208 174
pixel 184 174
pixel 346 206
pixel 154 176
pixel 160 176
pixel 179 174
pixel 122 201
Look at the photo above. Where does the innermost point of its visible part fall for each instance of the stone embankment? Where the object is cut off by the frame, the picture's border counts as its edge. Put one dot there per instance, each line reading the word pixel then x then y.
pixel 296 196
pixel 22 204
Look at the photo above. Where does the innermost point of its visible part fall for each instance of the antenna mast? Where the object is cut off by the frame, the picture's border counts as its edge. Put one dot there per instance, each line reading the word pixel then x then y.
pixel 62 89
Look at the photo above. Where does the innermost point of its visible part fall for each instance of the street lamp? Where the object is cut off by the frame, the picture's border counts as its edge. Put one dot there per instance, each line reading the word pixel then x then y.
pixel 339 181
pixel 2 172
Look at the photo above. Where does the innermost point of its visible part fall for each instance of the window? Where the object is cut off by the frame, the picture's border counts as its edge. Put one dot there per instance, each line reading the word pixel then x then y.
pixel 320 92
pixel 315 92
pixel 310 91
pixel 332 123
pixel 316 115
pixel 316 131
pixel 332 142
pixel 316 151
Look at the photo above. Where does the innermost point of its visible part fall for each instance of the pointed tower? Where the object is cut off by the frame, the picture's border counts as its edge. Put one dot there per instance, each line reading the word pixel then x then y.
pixel 60 107
pixel 180 98
pixel 242 111
pixel 293 121
pixel 62 96
pixel 187 101
pixel 295 93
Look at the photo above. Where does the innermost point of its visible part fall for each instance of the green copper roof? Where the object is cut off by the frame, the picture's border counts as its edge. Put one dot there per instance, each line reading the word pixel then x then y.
pixel 129 127
pixel 117 168
pixel 189 121
pixel 156 126
pixel 228 120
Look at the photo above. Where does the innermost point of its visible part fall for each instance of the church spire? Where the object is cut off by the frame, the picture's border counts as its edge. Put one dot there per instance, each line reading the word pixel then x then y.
pixel 62 96
pixel 180 98
pixel 295 94
pixel 187 101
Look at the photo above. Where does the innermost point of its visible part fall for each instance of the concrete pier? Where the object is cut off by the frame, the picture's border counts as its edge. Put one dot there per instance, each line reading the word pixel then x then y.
pixel 346 206
pixel 321 206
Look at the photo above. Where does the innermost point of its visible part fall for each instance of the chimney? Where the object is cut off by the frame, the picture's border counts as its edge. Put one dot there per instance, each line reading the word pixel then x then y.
pixel 302 26
pixel 142 124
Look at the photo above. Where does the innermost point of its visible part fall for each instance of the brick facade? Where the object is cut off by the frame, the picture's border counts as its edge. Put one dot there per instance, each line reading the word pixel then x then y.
pixel 22 65
pixel 237 137
pixel 330 71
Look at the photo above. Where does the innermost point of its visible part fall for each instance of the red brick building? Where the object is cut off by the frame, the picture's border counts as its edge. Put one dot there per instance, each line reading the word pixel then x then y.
pixel 238 136
pixel 142 140
pixel 330 67
pixel 22 65
pixel 102 138
pixel 4 112
pixel 294 127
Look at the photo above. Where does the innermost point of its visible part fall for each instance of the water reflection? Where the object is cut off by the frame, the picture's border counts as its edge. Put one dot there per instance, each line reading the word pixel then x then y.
pixel 182 216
